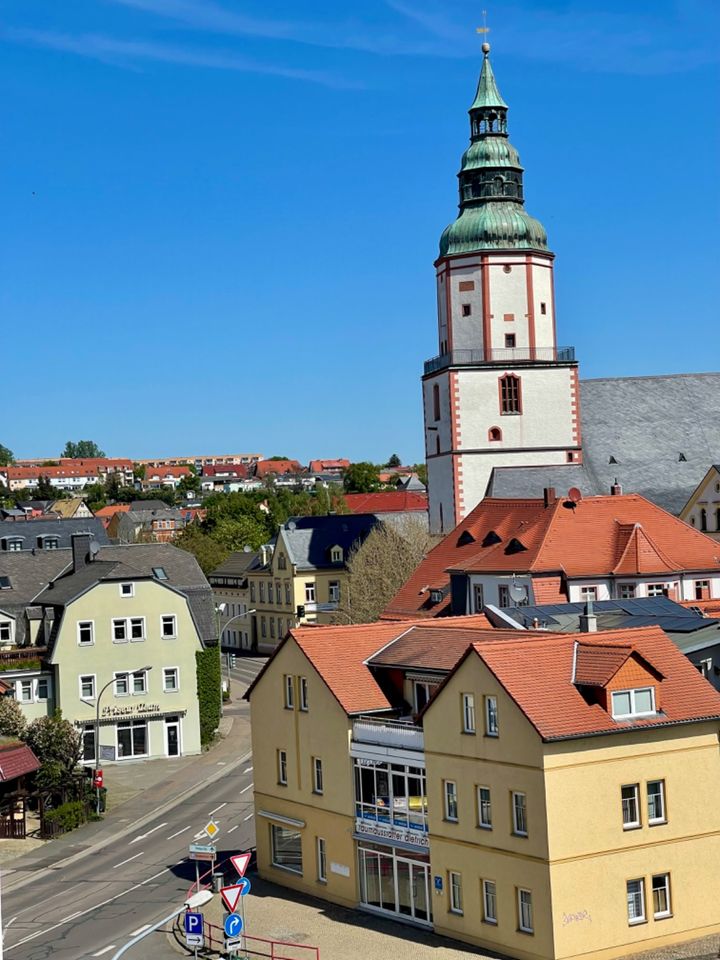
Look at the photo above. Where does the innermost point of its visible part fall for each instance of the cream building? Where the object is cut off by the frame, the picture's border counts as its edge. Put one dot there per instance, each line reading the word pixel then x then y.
pixel 703 508
pixel 231 593
pixel 544 798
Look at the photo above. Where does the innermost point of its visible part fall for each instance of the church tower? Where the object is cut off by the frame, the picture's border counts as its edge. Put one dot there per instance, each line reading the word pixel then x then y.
pixel 500 392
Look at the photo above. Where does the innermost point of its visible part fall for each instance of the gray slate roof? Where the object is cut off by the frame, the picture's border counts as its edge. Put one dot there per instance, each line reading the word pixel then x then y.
pixel 63 528
pixel 644 423
pixel 29 574
pixel 309 539
pixel 237 564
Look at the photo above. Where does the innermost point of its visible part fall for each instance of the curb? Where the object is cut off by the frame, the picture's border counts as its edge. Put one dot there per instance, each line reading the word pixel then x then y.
pixel 129 828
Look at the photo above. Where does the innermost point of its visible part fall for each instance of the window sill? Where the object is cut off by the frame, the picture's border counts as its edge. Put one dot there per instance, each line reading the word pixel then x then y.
pixel 527 933
pixel 468 733
pixel 318 793
pixel 662 916
pixel 632 826
pixel 521 836
pixel 280 866
pixel 492 736
pixel 491 923
pixel 484 826
pixel 450 820
pixel 456 913
pixel 657 823
pixel 637 923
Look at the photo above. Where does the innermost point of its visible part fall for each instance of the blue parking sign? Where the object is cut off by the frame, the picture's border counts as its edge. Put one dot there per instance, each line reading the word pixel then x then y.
pixel 193 923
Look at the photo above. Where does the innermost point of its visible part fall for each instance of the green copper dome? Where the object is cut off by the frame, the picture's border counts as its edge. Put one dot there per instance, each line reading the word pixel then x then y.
pixel 492 215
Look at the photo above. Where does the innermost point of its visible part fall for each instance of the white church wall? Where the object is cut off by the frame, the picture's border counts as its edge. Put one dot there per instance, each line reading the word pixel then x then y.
pixel 440 492
pixel 476 470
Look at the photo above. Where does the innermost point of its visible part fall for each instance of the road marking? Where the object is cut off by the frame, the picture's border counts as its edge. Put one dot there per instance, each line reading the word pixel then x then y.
pixel 221 763
pixel 140 930
pixel 123 862
pixel 143 835
pixel 104 950
pixel 217 808
pixel 233 828
pixel 104 903
pixel 247 769
pixel 248 787
pixel 249 817
pixel 173 835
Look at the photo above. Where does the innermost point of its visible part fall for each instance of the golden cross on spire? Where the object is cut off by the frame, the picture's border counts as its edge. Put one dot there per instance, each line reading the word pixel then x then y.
pixel 484 30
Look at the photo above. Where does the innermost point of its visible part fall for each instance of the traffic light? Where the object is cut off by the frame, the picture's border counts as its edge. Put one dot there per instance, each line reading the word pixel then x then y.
pixel 232 660
pixel 300 611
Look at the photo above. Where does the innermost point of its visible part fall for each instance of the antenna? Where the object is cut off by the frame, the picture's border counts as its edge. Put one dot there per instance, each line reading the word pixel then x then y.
pixel 518 592
pixel 574 495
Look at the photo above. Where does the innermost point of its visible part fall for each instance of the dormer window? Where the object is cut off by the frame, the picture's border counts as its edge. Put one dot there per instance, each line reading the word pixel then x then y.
pixel 48 543
pixel 13 544
pixel 336 555
pixel 638 702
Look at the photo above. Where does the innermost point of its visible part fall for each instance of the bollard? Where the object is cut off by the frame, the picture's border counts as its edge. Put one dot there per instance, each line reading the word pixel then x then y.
pixel 218 881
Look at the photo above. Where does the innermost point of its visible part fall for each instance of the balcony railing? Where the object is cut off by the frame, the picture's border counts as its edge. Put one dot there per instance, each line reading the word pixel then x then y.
pixel 388 733
pixel 504 355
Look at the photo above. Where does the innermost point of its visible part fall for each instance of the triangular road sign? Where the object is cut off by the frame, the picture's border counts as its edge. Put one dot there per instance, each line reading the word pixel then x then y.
pixel 240 861
pixel 231 896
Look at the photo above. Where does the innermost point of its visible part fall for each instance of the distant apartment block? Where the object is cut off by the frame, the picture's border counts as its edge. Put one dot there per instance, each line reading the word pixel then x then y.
pixel 201 461
pixel 68 474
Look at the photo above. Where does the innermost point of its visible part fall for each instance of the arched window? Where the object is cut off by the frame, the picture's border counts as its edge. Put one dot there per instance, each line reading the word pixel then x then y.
pixel 510 394
pixel 494 434
pixel 437 443
pixel 703 519
pixel 436 401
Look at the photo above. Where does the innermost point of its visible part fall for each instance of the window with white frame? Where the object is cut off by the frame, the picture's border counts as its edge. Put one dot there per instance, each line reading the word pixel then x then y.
pixel 638 702
pixel 336 555
pixel 503 595
pixel 491 717
pixel 288 597
pixel 630 799
pixel 656 590
pixel 278 593
pixel 132 739
pixel 661 895
pixel 122 684
pixel 286 848
pixel 626 591
pixel 484 808
pixel 317 771
pixel 519 811
pixel 289 691
pixel 468 712
pixel 455 887
pixel 120 632
pixel 309 592
pixel 5 631
pixel 525 911
pixel 282 767
pixel 334 591
pixel 24 691
pixel 451 800
pixel 636 901
pixel 656 801
pixel 137 628
pixel 303 693
pixel 87 686
pixel 42 688
pixel 588 593
pixel 139 682
pixel 321 860
pixel 489 896
pixel 262 591
pixel 478 598
pixel 168 626
pixel 704 666
pixel 127 589
pixel 171 680
pixel 85 633
pixel 272 627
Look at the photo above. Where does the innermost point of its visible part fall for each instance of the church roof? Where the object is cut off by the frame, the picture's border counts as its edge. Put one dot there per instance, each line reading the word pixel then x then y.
pixel 487 94
pixel 656 436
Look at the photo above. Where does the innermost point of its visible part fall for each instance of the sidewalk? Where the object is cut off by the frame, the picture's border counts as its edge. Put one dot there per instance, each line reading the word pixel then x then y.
pixel 138 791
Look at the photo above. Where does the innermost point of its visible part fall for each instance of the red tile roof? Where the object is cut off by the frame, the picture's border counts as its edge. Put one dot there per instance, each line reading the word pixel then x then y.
pixel 600 536
pixel 537 673
pixel 265 468
pixel 225 470
pixel 389 501
pixel 16 759
pixel 596 664
pixel 709 608
pixel 319 466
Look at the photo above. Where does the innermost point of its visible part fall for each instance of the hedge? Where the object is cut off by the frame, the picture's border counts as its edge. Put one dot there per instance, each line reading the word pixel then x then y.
pixel 209 693
pixel 68 815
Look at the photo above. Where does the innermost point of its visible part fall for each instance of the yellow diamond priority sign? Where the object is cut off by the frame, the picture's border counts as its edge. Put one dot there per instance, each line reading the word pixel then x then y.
pixel 212 829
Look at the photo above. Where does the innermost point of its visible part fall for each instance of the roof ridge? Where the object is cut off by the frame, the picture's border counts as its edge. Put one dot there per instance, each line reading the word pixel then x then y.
pixel 551 519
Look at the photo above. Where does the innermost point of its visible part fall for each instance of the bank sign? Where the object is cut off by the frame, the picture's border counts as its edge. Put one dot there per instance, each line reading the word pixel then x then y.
pixel 392 833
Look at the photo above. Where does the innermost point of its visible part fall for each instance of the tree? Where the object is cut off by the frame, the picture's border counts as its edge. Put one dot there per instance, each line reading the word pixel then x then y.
pixel 421 470
pixel 379 566
pixel 206 550
pixel 95 495
pixel 12 719
pixel 82 450
pixel 6 456
pixel 393 461
pixel 45 490
pixel 361 478
pixel 58 747
pixel 187 485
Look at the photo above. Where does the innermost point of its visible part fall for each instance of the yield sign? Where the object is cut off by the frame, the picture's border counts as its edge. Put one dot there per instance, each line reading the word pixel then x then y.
pixel 240 861
pixel 231 895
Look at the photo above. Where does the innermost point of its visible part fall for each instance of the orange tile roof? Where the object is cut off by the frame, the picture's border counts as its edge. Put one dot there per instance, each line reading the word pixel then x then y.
pixel 709 608
pixel 537 674
pixel 596 663
pixel 317 466
pixel 387 501
pixel 264 468
pixel 600 536
pixel 176 471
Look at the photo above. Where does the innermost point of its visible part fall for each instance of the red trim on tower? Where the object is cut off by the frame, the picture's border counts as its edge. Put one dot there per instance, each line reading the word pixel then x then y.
pixel 487 338
pixel 575 409
pixel 530 305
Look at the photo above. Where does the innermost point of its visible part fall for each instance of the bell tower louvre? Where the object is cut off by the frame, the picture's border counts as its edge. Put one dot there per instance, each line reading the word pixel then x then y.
pixel 500 392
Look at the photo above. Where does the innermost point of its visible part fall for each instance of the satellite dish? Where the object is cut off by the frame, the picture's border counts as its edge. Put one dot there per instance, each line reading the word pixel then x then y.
pixel 574 495
pixel 291 525
pixel 517 592
pixel 94 548
pixel 247 548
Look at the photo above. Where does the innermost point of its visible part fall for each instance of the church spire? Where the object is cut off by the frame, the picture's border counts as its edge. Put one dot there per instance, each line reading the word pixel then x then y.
pixel 492 215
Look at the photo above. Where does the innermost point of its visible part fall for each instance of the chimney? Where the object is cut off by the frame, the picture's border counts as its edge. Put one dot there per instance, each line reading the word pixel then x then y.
pixel 588 620
pixel 616 489
pixel 80 550
pixel 549 496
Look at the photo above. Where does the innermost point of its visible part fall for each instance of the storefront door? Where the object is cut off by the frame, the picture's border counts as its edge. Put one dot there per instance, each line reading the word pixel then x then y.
pixel 397 884
pixel 172 737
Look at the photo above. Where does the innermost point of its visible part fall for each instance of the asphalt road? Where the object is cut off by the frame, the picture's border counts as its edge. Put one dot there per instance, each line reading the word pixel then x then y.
pixel 92 907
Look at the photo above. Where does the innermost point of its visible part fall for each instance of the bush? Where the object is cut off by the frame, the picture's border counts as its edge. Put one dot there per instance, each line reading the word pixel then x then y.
pixel 68 815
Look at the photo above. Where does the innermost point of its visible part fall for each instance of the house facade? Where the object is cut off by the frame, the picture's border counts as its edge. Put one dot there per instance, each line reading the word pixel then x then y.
pixel 419 773
pixel 703 508
pixel 231 594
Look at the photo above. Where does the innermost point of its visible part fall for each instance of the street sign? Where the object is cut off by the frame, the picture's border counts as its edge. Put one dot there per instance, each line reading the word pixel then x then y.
pixel 231 946
pixel 212 829
pixel 202 856
pixel 203 848
pixel 194 924
pixel 231 896
pixel 233 925
pixel 240 861
pixel 245 884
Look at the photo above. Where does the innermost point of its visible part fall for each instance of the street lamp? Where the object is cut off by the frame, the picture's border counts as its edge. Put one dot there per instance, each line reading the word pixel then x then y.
pixel 123 673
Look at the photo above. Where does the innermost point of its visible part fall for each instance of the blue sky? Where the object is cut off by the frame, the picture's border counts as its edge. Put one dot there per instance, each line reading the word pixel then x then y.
pixel 220 216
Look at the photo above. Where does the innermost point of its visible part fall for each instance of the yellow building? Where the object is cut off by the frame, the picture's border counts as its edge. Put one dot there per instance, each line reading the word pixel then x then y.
pixel 547 797
pixel 302 576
